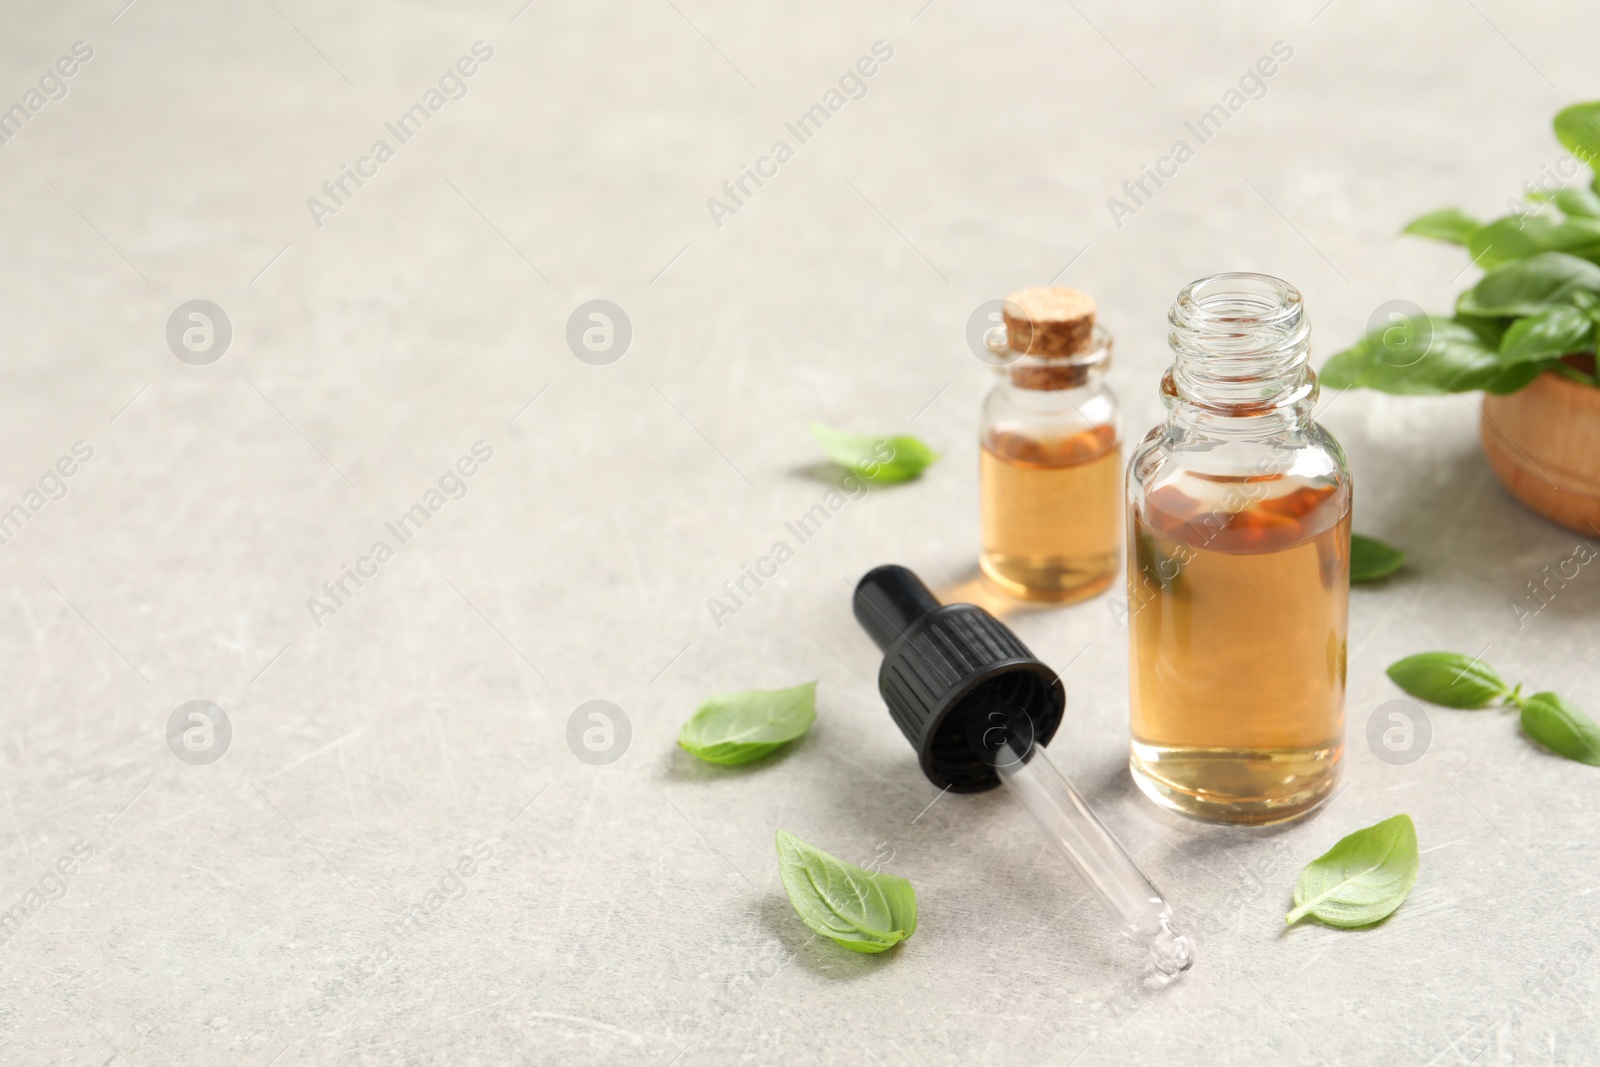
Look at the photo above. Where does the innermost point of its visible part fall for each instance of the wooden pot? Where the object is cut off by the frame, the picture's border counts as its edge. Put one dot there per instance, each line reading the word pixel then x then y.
pixel 1543 442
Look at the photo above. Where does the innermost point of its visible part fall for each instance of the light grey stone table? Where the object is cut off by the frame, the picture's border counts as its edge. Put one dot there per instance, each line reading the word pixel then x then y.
pixel 399 858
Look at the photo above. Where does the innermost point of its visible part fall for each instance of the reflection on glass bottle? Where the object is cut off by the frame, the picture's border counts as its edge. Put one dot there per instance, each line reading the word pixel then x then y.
pixel 1239 530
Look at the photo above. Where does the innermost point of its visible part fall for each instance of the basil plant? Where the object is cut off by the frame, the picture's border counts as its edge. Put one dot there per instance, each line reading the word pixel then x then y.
pixel 1536 308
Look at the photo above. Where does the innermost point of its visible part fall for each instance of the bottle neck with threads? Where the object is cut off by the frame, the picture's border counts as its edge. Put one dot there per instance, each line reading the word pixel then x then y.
pixel 1242 344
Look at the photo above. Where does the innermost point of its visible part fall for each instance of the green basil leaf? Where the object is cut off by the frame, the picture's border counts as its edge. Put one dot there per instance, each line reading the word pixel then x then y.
pixel 1578 200
pixel 1530 286
pixel 1547 335
pixel 1517 377
pixel 1449 679
pixel 1425 356
pixel 1578 130
pixel 885 460
pixel 1518 237
pixel 1361 879
pixel 1559 726
pixel 1447 224
pixel 1347 369
pixel 1490 329
pixel 736 728
pixel 865 911
pixel 1371 559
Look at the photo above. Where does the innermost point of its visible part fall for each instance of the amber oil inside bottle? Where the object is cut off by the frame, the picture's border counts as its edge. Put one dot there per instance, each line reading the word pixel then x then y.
pixel 1239 629
pixel 1052 512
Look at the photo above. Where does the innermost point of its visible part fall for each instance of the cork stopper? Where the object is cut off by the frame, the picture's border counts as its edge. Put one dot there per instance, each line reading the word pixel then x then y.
pixel 1049 321
pixel 1054 327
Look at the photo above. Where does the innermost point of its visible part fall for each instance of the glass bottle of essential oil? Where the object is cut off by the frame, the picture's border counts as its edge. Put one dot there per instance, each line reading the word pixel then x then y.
pixel 1239 566
pixel 1050 470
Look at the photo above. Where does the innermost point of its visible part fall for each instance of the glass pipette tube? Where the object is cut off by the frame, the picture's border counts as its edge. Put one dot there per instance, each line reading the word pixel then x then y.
pixel 1122 890
pixel 978 707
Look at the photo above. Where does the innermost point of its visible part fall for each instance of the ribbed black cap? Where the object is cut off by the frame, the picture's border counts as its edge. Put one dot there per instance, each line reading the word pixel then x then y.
pixel 949 674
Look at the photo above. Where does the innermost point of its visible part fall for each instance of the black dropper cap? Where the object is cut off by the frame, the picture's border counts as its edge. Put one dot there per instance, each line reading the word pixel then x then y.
pixel 949 674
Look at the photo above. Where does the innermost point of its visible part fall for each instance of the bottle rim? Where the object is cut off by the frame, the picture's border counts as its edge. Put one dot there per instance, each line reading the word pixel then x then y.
pixel 1242 342
pixel 1237 300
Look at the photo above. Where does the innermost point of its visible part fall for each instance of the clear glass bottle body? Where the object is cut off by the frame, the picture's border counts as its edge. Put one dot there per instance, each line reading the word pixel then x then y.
pixel 1239 566
pixel 1050 477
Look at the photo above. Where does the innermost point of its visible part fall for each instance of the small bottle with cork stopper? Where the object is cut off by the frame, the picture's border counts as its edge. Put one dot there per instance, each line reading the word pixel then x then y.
pixel 1050 471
